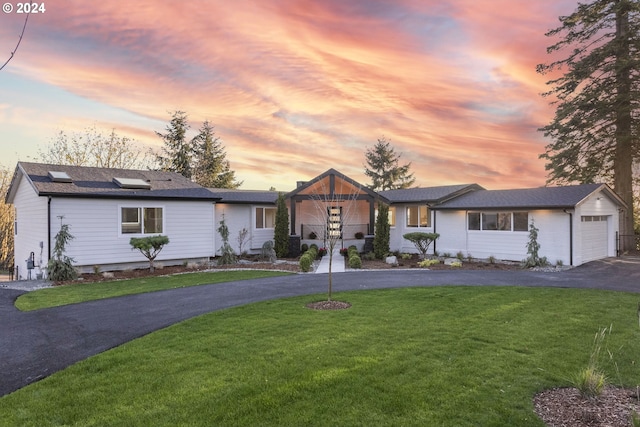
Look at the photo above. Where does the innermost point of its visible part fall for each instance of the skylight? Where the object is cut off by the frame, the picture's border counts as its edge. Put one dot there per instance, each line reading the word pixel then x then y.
pixel 132 183
pixel 58 176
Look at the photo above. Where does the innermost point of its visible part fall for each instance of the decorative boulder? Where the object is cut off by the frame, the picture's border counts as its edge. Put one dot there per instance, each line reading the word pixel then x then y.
pixel 449 261
pixel 393 260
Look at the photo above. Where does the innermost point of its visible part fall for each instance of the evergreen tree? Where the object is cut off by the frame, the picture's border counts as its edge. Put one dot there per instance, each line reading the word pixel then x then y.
pixel 382 232
pixel 211 168
pixel 281 232
pixel 595 128
pixel 384 169
pixel 177 151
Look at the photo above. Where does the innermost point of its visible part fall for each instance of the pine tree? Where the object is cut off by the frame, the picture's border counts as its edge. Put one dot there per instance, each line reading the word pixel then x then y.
pixel 212 169
pixel 383 168
pixel 596 124
pixel 178 152
pixel 382 232
pixel 281 232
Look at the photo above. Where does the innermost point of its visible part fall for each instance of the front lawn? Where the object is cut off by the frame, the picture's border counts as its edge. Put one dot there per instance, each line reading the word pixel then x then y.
pixel 442 356
pixel 70 294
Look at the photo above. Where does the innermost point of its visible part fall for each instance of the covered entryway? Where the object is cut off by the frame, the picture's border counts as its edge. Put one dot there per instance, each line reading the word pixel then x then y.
pixel 595 237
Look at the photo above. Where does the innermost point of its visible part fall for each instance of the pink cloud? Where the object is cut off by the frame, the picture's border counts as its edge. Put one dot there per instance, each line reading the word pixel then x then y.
pixel 296 87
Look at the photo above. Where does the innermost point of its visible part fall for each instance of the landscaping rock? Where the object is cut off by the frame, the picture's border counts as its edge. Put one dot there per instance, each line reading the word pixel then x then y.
pixel 393 260
pixel 449 261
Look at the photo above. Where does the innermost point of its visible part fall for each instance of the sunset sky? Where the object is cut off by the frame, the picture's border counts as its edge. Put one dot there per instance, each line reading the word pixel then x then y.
pixel 293 87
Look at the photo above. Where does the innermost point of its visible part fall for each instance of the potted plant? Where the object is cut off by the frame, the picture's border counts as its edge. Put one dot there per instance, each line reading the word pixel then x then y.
pixel 359 235
pixel 313 236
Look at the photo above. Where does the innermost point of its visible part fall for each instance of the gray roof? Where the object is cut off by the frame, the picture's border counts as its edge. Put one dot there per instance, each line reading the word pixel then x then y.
pixel 428 194
pixel 98 182
pixel 526 198
pixel 245 196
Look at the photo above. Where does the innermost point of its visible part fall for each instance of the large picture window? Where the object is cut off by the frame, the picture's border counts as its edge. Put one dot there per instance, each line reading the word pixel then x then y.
pixel 418 216
pixel 141 220
pixel 265 217
pixel 498 221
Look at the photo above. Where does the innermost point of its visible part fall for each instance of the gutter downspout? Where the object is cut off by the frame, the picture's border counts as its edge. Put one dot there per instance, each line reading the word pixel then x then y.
pixel 48 229
pixel 570 236
pixel 434 228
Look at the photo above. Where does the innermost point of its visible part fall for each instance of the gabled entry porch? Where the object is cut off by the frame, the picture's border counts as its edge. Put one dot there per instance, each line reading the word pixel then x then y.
pixel 332 205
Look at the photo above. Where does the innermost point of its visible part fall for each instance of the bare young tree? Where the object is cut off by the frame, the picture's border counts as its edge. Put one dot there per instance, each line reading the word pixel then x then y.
pixel 6 220
pixel 93 147
pixel 334 208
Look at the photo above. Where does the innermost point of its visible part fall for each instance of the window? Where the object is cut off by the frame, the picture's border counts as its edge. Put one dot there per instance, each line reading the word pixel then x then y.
pixel 474 221
pixel 265 217
pixel 520 221
pixel 418 216
pixel 498 221
pixel 591 218
pixel 334 225
pixel 392 216
pixel 141 220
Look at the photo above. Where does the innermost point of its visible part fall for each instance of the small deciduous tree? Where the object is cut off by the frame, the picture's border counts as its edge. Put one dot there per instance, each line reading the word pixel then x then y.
pixel 60 266
pixel 382 232
pixel 422 241
pixel 6 221
pixel 243 235
pixel 325 201
pixel 281 232
pixel 382 166
pixel 149 246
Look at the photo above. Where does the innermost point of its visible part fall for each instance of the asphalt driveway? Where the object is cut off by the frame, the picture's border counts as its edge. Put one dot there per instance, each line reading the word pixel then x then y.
pixel 33 345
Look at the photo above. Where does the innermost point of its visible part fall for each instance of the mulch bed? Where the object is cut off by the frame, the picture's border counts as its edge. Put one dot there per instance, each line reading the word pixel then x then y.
pixel 566 407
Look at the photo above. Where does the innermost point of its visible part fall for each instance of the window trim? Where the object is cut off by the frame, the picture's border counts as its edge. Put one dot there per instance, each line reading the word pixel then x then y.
pixel 481 218
pixel 419 225
pixel 141 214
pixel 255 217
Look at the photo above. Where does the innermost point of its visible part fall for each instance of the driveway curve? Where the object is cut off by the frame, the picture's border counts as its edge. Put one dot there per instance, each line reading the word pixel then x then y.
pixel 33 345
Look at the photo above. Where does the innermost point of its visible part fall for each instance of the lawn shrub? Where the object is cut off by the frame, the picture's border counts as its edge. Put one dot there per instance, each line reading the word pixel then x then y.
pixel 428 263
pixel 355 261
pixel 369 256
pixel 305 262
pixel 304 248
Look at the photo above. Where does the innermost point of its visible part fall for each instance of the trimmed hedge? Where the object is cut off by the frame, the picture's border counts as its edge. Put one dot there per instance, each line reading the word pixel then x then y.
pixel 355 261
pixel 306 262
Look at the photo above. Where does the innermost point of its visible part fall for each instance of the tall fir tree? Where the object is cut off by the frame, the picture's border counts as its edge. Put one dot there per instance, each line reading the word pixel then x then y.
pixel 596 124
pixel 211 168
pixel 177 152
pixel 382 166
pixel 281 232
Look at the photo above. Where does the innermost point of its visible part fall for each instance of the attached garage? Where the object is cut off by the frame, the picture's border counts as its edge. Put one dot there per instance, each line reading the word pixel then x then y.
pixel 595 237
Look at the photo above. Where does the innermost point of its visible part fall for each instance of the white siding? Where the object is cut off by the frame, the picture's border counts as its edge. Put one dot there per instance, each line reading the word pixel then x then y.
pixel 238 217
pixel 397 242
pixel 95 225
pixel 31 213
pixel 553 237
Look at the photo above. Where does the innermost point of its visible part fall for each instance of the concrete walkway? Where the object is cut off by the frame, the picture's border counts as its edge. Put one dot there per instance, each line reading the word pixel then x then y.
pixel 337 263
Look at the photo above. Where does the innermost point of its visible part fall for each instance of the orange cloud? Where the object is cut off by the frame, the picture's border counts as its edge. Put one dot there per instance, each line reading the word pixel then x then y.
pixel 297 86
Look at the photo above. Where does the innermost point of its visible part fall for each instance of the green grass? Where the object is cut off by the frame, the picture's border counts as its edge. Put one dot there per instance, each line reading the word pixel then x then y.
pixel 445 356
pixel 70 294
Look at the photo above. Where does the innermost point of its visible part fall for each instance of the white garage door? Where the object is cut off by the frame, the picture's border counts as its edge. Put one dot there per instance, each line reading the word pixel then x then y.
pixel 594 238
